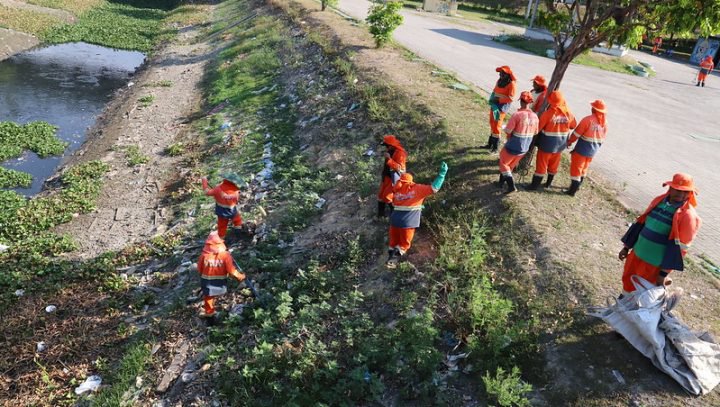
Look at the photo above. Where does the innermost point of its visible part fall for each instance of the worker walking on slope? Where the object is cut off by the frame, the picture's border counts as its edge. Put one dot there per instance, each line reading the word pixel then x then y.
pixel 539 91
pixel 408 198
pixel 227 195
pixel 394 167
pixel 520 130
pixel 555 124
pixel 215 264
pixel 500 100
pixel 706 67
pixel 659 239
pixel 590 135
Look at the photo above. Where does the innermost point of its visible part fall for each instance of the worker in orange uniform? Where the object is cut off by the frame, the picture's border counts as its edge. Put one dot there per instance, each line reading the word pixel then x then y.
pixel 500 100
pixel 656 243
pixel 706 66
pixel 657 42
pixel 227 195
pixel 555 124
pixel 215 264
pixel 520 130
pixel 408 198
pixel 539 91
pixel 394 167
pixel 590 135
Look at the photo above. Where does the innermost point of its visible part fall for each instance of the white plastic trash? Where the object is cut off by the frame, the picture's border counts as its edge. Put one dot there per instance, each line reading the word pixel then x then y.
pixel 41 347
pixel 92 383
pixel 50 309
pixel 19 293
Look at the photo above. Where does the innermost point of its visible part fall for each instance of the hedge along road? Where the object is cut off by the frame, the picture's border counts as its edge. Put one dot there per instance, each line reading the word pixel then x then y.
pixel 657 126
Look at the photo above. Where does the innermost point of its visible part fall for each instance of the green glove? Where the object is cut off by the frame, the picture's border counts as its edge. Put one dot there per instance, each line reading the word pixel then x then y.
pixel 437 184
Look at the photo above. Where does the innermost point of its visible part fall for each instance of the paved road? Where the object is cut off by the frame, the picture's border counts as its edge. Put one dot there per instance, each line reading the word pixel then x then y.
pixel 657 126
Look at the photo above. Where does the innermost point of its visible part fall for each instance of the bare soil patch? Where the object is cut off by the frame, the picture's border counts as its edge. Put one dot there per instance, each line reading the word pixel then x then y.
pixel 12 42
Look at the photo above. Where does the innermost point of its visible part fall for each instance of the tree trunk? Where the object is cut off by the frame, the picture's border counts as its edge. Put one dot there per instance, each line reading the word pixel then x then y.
pixel 323 5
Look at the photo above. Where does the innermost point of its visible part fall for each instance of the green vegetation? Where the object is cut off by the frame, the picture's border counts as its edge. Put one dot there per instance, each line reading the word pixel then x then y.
pixel 14 179
pixel 478 12
pixel 159 84
pixel 383 19
pixel 123 25
pixel 134 362
pixel 38 137
pixel 134 156
pixel 506 388
pixel 588 58
pixel 175 149
pixel 26 21
pixel 74 6
pixel 146 100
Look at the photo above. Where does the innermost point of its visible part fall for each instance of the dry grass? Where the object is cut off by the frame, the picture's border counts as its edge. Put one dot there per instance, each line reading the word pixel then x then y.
pixel 74 6
pixel 26 21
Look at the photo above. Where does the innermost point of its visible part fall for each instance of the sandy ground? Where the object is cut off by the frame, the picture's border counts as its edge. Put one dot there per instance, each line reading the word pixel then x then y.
pixel 12 42
pixel 130 207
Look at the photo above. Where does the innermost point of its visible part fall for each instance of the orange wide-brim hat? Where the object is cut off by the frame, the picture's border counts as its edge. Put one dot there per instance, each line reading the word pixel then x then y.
pixel 391 140
pixel 681 182
pixel 214 239
pixel 540 80
pixel 598 105
pixel 507 70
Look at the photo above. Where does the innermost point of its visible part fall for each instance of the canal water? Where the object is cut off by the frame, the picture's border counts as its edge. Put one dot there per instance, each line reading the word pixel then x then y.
pixel 66 85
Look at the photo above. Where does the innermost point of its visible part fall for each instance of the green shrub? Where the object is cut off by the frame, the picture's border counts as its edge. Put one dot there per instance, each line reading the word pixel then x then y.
pixel 146 100
pixel 134 157
pixel 507 389
pixel 175 149
pixel 383 19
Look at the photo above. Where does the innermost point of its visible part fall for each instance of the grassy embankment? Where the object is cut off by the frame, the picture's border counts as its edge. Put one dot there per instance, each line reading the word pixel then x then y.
pixel 337 326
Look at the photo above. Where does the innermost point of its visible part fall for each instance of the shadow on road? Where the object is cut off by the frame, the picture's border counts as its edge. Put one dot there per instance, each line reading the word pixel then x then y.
pixel 475 38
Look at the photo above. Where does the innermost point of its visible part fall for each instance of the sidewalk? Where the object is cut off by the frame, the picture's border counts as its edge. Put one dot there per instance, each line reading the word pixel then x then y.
pixel 657 126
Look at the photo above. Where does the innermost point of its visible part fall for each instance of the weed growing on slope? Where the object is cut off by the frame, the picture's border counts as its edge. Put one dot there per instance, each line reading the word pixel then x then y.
pixel 146 100
pixel 74 6
pixel 134 156
pixel 26 21
pixel 507 389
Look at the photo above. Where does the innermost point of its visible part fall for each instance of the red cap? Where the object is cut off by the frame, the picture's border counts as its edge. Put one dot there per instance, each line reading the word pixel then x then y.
pixel 681 182
pixel 526 96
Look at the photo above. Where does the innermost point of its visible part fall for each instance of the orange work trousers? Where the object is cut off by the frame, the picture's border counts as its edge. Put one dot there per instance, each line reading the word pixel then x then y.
pixel 386 190
pixel 702 76
pixel 636 266
pixel 223 222
pixel 401 238
pixel 496 125
pixel 209 304
pixel 508 161
pixel 579 166
pixel 547 163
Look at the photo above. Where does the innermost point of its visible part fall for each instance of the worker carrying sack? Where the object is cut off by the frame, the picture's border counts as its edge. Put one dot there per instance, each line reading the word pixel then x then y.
pixel 645 319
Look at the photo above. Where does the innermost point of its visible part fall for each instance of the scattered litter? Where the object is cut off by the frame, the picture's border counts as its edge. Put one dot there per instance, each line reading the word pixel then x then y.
pixel 353 107
pixel 320 203
pixel 260 196
pixel 439 73
pixel 50 309
pixel 304 147
pixel 257 92
pixel 186 263
pixel 314 119
pixel 339 177
pixel 41 347
pixel 3 247
pixel 449 339
pixel 369 153
pixel 452 360
pixel 237 309
pixel 355 81
pixel 90 384
pixel 619 377
pixel 349 125
pixel 226 125
pixel 187 377
pixel 459 86
pixel 262 211
pixel 130 84
pixel 155 349
pixel 19 293
pixel 366 376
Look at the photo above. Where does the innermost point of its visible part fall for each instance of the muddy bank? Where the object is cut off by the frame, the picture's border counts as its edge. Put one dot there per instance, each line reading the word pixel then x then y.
pixel 13 42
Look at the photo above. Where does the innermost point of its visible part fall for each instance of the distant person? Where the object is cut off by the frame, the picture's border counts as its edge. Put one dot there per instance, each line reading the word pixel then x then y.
pixel 215 265
pixel 659 239
pixel 657 42
pixel 590 135
pixel 539 91
pixel 226 195
pixel 500 100
pixel 394 166
pixel 408 198
pixel 520 130
pixel 706 67
pixel 555 124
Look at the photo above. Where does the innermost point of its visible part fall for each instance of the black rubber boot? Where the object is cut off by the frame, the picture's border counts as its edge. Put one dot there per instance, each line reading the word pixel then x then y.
pixel 698 84
pixel 501 181
pixel 537 179
pixel 581 180
pixel 549 181
pixel 494 147
pixel 703 84
pixel 574 186
pixel 490 142
pixel 510 185
pixel 381 209
pixel 393 258
pixel 391 208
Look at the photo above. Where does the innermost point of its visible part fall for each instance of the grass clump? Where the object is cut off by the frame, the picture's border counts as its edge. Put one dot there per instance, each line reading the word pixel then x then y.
pixel 175 149
pixel 134 156
pixel 74 6
pixel 133 364
pixel 159 84
pixel 507 389
pixel 146 100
